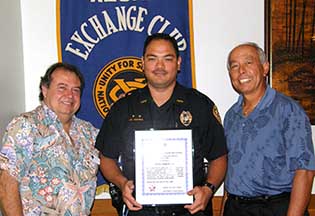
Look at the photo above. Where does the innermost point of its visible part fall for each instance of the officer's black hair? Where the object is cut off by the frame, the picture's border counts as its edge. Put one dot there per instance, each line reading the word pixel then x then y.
pixel 46 79
pixel 160 36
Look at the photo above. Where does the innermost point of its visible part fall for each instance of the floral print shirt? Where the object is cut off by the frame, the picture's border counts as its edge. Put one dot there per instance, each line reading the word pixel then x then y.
pixel 56 172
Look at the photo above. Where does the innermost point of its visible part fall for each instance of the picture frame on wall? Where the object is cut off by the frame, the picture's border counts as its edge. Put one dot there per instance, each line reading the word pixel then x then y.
pixel 290 47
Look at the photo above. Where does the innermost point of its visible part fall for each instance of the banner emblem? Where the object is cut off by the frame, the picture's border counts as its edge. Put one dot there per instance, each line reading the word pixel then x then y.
pixel 117 78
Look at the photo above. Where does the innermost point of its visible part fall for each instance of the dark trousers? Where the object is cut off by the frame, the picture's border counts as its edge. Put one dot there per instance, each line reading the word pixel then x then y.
pixel 146 212
pixel 169 211
pixel 273 207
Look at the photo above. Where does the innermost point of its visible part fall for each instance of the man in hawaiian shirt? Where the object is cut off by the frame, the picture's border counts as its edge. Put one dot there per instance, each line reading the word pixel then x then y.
pixel 48 162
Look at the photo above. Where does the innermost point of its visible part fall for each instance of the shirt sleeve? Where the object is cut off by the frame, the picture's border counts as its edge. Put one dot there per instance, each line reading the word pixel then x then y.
pixel 215 135
pixel 16 151
pixel 107 140
pixel 297 135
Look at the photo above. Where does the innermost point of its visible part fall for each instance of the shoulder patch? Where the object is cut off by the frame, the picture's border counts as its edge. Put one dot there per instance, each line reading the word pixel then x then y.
pixel 216 114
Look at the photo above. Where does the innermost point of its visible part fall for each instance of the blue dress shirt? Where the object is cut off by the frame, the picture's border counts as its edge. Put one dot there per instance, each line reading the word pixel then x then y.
pixel 268 146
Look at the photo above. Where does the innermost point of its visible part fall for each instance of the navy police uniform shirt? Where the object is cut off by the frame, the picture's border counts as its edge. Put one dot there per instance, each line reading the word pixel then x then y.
pixel 186 109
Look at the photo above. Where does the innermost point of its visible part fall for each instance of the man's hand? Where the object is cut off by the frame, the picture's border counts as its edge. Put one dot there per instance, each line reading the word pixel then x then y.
pixel 202 195
pixel 127 190
pixel 112 173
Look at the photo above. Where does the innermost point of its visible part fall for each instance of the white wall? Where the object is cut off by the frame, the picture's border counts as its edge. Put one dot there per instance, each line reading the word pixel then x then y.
pixel 218 26
pixel 11 63
pixel 39 44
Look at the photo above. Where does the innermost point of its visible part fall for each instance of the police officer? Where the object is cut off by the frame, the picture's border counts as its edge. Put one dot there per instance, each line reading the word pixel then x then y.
pixel 163 104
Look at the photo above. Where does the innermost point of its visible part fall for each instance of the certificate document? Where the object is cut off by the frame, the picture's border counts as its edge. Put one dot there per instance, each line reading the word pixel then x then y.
pixel 163 161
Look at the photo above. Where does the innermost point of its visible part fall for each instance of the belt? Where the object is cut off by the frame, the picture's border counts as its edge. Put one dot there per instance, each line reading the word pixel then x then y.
pixel 167 209
pixel 284 195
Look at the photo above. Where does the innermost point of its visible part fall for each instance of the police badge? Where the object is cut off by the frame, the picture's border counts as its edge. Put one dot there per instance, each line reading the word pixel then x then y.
pixel 185 118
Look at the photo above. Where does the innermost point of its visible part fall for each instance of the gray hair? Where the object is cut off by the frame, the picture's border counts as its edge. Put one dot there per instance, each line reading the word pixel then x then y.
pixel 260 52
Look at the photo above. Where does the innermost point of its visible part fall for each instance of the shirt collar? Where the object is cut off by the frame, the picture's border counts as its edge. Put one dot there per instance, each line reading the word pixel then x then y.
pixel 49 113
pixel 176 96
pixel 52 117
pixel 265 101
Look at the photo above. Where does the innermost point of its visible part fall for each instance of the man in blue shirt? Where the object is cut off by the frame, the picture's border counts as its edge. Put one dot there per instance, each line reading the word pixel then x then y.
pixel 271 156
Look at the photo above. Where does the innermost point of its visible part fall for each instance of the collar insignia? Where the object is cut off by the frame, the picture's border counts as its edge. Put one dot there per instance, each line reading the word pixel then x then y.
pixel 143 101
pixel 136 118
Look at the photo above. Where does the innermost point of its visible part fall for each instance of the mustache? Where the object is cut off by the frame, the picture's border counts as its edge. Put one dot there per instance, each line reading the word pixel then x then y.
pixel 159 71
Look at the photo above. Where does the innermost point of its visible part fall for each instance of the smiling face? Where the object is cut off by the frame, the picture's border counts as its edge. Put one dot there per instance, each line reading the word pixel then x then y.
pixel 160 64
pixel 63 94
pixel 247 73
